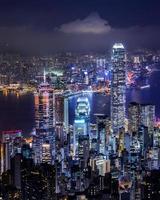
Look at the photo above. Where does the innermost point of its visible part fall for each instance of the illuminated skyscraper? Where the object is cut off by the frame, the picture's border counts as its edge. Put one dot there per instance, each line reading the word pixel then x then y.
pixel 45 117
pixel 46 155
pixel 148 117
pixel 7 148
pixel 133 117
pixel 141 114
pixel 59 108
pixel 81 123
pixel 102 122
pixel 66 114
pixel 59 117
pixel 118 86
pixel 44 109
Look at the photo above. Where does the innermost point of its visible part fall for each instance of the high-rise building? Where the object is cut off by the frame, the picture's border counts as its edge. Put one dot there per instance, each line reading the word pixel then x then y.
pixel 148 117
pixel 134 110
pixel 83 150
pixel 66 114
pixel 100 164
pixel 118 86
pixel 59 118
pixel 44 109
pixel 81 123
pixel 59 108
pixel 46 153
pixel 103 133
pixel 7 148
pixel 16 163
pixel 45 118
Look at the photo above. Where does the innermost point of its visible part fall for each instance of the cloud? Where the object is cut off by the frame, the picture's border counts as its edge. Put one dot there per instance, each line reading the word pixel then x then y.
pixel 100 37
pixel 93 24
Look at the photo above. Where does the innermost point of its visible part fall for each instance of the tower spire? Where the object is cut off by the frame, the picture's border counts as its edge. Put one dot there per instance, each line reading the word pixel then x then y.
pixel 44 76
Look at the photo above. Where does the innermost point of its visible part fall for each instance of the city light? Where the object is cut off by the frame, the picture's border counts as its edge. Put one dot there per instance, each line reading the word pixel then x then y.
pixel 80 100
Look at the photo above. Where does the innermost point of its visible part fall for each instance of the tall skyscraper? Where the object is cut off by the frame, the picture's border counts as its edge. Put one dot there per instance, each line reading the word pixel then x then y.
pixel 103 124
pixel 59 117
pixel 81 123
pixel 44 109
pixel 134 110
pixel 118 86
pixel 45 118
pixel 148 117
pixel 7 148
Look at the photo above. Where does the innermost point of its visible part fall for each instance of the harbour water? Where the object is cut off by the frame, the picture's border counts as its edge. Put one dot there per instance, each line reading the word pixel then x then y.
pixel 18 112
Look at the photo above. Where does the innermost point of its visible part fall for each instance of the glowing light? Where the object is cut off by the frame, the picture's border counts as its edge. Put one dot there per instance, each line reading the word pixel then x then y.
pixel 12 132
pixel 44 76
pixel 130 77
pixel 145 87
pixel 118 46
pixel 80 121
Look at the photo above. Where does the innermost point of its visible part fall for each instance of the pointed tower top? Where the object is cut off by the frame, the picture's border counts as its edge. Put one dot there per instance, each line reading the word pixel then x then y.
pixel 44 76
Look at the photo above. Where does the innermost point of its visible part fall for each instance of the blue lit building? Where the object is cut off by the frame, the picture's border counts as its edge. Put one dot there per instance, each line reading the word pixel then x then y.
pixel 81 122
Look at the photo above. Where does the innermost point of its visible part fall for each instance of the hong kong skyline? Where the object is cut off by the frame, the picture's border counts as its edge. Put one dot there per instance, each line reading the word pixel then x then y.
pixel 79 100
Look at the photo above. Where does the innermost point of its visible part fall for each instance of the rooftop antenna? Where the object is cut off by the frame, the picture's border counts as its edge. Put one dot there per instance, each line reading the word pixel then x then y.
pixel 44 76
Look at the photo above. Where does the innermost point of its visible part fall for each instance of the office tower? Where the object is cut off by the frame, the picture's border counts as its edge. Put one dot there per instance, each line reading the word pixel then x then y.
pixel 144 138
pixel 26 151
pixel 101 63
pixel 8 148
pixel 154 159
pixel 125 184
pixel 86 78
pixel 156 137
pixel 100 164
pixel 103 128
pixel 46 152
pixel 134 120
pixel 118 86
pixel 136 60
pixel 44 109
pixel 4 157
pixel 66 114
pixel 59 108
pixel 135 148
pixel 45 118
pixel 148 117
pixel 80 129
pixel 59 118
pixel 83 150
pixel 16 165
pixel 121 142
pixel 81 122
pixel 82 108
pixel 100 69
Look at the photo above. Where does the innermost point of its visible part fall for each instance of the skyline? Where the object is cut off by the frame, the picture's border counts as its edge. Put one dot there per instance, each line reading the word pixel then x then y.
pixel 79 100
pixel 88 139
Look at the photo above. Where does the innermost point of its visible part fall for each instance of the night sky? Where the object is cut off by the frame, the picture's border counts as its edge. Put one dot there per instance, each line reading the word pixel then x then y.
pixel 46 26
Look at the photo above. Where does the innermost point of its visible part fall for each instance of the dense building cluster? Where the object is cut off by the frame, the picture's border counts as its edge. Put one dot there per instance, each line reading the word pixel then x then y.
pixel 117 157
